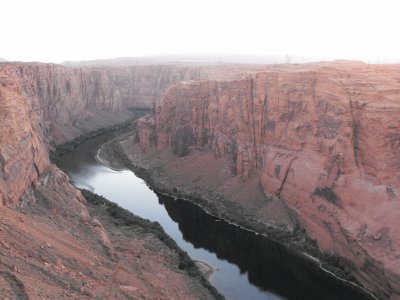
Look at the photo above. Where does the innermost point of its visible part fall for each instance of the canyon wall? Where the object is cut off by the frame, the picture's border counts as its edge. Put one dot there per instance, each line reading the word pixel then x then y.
pixel 23 151
pixel 72 101
pixel 47 104
pixel 323 138
pixel 47 232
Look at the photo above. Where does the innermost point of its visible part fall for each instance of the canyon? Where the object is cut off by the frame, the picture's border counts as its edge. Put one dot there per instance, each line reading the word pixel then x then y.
pixel 310 148
pixel 53 243
pixel 322 139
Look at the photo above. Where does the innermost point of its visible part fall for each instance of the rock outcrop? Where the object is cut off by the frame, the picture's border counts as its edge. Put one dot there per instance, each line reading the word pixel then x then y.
pixel 23 151
pixel 48 235
pixel 71 101
pixel 57 244
pixel 324 138
pixel 47 104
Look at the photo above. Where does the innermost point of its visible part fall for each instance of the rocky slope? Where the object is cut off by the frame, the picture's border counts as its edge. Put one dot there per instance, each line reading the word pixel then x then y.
pixel 42 105
pixel 71 101
pixel 23 151
pixel 57 245
pixel 314 146
pixel 322 138
pixel 46 104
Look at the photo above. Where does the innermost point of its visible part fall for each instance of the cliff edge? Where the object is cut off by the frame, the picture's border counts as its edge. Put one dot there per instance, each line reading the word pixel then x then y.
pixel 321 138
pixel 53 242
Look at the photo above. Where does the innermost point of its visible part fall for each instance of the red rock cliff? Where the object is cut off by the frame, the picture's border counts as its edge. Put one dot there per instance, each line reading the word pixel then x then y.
pixel 48 103
pixel 44 220
pixel 324 138
pixel 72 101
pixel 42 103
pixel 23 152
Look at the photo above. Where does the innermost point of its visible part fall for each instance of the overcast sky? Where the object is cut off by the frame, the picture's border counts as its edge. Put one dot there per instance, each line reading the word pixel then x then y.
pixel 59 30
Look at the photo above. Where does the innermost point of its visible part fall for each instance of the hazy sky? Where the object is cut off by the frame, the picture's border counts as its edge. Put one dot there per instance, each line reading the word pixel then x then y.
pixel 59 30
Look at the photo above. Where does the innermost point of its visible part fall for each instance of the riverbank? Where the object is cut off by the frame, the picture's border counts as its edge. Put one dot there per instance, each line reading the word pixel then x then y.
pixel 123 226
pixel 204 268
pixel 126 231
pixel 155 175
pixel 59 150
pixel 58 244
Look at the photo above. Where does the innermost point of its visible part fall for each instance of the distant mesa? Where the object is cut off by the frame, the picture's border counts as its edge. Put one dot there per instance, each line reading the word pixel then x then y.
pixel 196 59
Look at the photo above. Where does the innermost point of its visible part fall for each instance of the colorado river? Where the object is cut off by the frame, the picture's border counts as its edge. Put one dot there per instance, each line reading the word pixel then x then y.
pixel 246 265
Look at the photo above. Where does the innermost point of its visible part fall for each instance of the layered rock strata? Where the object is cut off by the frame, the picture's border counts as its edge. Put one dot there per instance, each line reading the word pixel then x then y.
pixel 46 104
pixel 319 140
pixel 23 151
pixel 71 101
pixel 42 105
pixel 322 138
pixel 57 245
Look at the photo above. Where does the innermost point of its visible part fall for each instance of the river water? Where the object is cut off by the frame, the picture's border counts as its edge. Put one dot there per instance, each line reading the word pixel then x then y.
pixel 247 266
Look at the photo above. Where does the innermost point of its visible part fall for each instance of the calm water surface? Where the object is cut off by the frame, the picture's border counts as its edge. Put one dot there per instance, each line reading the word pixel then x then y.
pixel 247 266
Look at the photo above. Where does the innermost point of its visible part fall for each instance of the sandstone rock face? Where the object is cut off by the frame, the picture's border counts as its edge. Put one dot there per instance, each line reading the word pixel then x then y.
pixel 50 243
pixel 324 138
pixel 71 101
pixel 57 245
pixel 44 104
pixel 23 152
pixel 47 103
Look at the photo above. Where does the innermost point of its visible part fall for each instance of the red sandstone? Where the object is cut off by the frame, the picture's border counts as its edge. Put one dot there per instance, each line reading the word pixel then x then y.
pixel 323 138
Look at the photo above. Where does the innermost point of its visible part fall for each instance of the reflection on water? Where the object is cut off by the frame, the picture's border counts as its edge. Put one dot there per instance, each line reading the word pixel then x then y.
pixel 268 264
pixel 247 265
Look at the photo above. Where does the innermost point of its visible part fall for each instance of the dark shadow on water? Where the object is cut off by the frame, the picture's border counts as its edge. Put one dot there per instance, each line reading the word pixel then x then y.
pixel 270 266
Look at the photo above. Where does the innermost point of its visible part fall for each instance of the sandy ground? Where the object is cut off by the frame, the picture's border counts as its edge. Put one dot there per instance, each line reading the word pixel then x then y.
pixel 205 268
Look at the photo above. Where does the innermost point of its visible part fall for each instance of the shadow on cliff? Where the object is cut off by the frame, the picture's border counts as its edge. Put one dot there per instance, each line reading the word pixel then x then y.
pixel 270 266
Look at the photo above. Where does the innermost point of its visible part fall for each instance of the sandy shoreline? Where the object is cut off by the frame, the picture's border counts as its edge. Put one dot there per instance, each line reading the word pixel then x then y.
pixel 206 269
pixel 116 157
